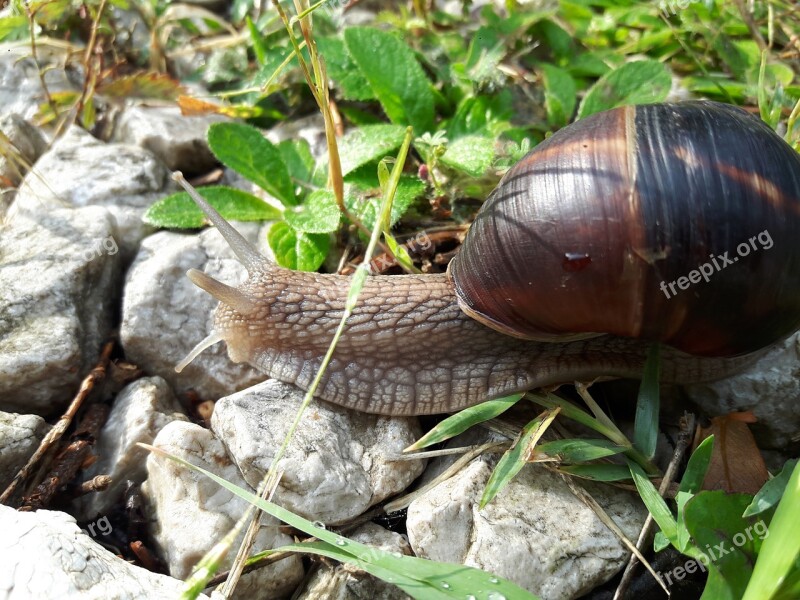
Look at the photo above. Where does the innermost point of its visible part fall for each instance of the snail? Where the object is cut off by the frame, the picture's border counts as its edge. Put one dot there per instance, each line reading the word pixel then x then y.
pixel 593 246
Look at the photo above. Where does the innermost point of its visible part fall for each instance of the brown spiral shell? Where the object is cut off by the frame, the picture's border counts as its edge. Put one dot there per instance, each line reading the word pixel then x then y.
pixel 587 232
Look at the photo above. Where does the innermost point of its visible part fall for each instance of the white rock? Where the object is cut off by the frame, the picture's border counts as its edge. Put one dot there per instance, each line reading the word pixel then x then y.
pixel 178 140
pixel 57 291
pixel 140 411
pixel 20 435
pixel 339 461
pixel 535 532
pixel 164 315
pixel 45 555
pixel 192 513
pixel 346 582
pixel 80 170
pixel 770 388
pixel 20 86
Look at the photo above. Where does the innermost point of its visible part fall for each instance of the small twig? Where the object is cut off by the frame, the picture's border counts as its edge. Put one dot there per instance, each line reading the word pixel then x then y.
pixel 90 78
pixel 58 430
pixel 35 57
pixel 70 460
pixel 688 425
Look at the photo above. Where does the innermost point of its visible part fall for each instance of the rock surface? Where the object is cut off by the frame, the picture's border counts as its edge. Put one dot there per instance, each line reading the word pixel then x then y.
pixel 191 513
pixel 58 288
pixel 20 87
pixel 339 462
pixel 535 532
pixel 20 435
pixel 22 146
pixel 46 556
pixel 178 140
pixel 80 170
pixel 345 582
pixel 164 315
pixel 770 388
pixel 140 411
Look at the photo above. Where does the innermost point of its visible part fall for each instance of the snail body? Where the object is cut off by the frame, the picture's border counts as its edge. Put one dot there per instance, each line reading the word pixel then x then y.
pixel 560 276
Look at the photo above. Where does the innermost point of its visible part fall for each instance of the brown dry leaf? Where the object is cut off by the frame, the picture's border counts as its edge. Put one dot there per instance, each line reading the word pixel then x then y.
pixel 194 106
pixel 736 462
pixel 191 107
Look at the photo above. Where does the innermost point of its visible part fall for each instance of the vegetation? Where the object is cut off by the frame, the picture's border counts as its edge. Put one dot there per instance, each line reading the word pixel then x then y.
pixel 478 91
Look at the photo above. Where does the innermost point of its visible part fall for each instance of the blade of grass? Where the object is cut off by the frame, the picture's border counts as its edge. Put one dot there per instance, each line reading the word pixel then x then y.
pixel 463 420
pixel 654 502
pixel 645 432
pixel 516 457
pixel 581 416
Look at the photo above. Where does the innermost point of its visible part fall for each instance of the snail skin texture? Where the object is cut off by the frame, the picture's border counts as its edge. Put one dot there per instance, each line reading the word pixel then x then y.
pixel 574 243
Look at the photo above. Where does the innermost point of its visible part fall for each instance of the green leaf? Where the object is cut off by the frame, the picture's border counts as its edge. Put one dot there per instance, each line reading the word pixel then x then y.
pixel 341 68
pixel 398 251
pixel 691 484
pixel 367 144
pixel 771 492
pixel 640 82
pixel 724 540
pixel 560 95
pixel 463 420
pixel 517 456
pixel 318 214
pixel 598 472
pixel 296 155
pixel 654 502
pixel 259 48
pixel 660 541
pixel 776 575
pixel 363 200
pixel 13 28
pixel 472 154
pixel 692 481
pixel 246 151
pixel 645 435
pixel 297 250
pixel 580 450
pixel 179 210
pixel 488 116
pixel 420 578
pixel 394 75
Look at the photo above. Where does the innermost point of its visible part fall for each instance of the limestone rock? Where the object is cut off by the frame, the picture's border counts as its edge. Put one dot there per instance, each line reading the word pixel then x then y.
pixel 46 556
pixel 339 461
pixel 191 513
pixel 535 532
pixel 58 287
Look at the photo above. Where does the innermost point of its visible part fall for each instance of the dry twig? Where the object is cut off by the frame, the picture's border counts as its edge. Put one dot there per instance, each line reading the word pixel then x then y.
pixel 54 435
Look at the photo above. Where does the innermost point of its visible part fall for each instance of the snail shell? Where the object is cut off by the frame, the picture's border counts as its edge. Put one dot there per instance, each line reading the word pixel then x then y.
pixel 587 232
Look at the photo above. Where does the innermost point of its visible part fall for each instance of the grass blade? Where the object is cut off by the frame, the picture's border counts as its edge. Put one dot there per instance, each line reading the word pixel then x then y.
pixel 645 435
pixel 463 420
pixel 654 502
pixel 517 456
